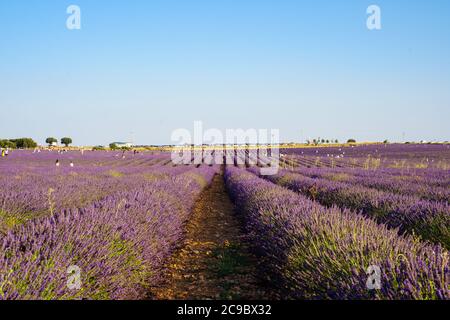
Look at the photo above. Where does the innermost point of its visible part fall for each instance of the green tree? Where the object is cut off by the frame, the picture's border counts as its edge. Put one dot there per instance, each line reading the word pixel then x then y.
pixel 113 146
pixel 50 141
pixel 7 144
pixel 24 143
pixel 351 141
pixel 66 141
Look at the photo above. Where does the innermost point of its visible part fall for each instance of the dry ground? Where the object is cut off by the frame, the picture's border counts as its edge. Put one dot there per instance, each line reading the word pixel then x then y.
pixel 213 262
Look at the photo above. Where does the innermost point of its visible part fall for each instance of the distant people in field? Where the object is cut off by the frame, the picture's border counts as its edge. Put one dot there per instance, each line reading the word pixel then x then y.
pixel 57 162
pixel 6 152
pixel 71 164
pixel 3 153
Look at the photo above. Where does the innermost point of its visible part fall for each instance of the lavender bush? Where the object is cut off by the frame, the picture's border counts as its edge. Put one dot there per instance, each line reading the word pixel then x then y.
pixel 429 220
pixel 119 243
pixel 309 251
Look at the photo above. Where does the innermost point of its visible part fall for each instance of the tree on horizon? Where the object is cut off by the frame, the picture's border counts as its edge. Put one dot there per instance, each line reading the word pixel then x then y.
pixel 66 141
pixel 50 140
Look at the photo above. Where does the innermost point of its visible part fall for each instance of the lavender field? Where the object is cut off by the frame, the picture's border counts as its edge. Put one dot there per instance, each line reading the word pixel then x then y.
pixel 124 225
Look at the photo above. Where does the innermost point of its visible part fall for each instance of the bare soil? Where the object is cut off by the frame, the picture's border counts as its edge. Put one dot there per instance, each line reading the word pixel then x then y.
pixel 213 262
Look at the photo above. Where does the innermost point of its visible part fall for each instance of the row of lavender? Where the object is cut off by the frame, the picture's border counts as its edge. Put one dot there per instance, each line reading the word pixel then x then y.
pixel 310 251
pixel 24 161
pixel 118 243
pixel 32 186
pixel 406 156
pixel 391 151
pixel 434 177
pixel 415 208
pixel 422 187
pixel 114 246
pixel 428 219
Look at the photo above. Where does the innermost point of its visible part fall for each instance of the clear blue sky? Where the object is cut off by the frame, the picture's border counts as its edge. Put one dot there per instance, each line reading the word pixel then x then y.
pixel 309 68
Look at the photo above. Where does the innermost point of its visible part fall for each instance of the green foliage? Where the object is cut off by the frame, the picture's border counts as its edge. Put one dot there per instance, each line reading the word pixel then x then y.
pixel 115 174
pixel 98 148
pixel 351 141
pixel 229 260
pixel 113 146
pixel 66 141
pixel 7 144
pixel 50 140
pixel 24 143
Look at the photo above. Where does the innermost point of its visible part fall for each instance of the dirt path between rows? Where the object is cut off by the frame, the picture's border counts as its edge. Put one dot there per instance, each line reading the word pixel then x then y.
pixel 214 261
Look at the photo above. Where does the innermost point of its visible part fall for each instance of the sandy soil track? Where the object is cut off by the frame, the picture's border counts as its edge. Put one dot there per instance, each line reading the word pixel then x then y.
pixel 213 262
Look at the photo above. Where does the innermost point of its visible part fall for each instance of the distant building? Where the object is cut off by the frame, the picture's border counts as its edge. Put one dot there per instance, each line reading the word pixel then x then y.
pixel 123 144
